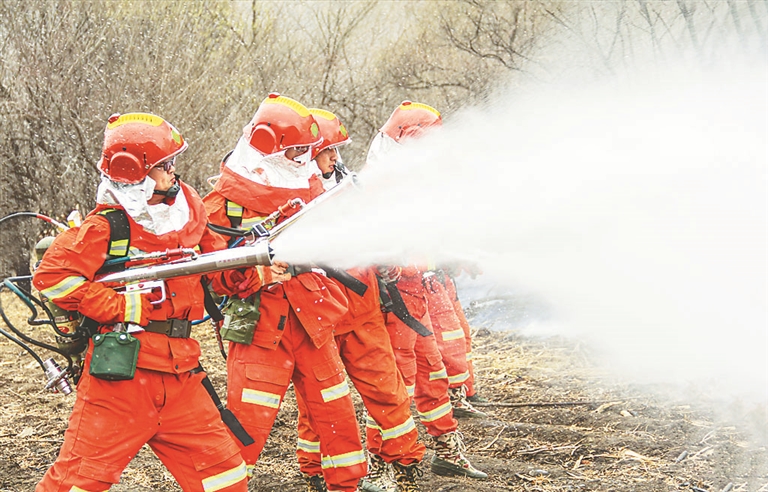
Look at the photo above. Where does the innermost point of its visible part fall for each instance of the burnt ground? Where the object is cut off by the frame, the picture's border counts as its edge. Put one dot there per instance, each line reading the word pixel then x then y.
pixel 557 423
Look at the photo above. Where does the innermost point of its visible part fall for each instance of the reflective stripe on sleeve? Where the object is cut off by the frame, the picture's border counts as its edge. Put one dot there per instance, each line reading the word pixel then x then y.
pixel 335 392
pixel 262 398
pixel 75 488
pixel 225 479
pixel 250 222
pixel 343 460
pixel 469 356
pixel 64 287
pixel 435 414
pixel 132 307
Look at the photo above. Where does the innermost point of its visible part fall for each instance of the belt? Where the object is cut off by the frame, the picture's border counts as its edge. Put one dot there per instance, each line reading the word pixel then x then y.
pixel 174 328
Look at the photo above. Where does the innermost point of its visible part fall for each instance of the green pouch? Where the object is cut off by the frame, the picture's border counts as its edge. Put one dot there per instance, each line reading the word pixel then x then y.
pixel 240 317
pixel 114 356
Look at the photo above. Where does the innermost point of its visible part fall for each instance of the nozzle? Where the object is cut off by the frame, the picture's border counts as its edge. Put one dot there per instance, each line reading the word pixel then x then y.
pixel 57 378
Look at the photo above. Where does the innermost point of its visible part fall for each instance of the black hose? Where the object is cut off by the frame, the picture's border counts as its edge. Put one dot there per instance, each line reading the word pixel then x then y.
pixel 16 340
pixel 27 298
pixel 31 214
pixel 27 339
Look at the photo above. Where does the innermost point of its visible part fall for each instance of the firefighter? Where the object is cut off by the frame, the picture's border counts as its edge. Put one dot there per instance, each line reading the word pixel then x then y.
pixel 141 381
pixel 470 391
pixel 452 337
pixel 418 357
pixel 281 321
pixel 326 157
pixel 365 349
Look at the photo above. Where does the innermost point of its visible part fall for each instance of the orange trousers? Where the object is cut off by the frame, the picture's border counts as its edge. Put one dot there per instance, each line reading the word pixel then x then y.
pixel 370 363
pixel 450 336
pixel 421 366
pixel 258 379
pixel 450 287
pixel 173 413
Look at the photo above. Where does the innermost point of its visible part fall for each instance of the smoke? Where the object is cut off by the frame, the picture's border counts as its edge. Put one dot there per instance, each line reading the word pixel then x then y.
pixel 636 208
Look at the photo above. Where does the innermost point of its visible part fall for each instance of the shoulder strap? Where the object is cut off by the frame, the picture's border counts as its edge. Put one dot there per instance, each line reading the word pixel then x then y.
pixel 234 214
pixel 119 238
pixel 393 302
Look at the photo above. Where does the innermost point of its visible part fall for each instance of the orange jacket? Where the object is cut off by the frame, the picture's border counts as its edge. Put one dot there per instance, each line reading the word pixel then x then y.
pixel 66 276
pixel 317 301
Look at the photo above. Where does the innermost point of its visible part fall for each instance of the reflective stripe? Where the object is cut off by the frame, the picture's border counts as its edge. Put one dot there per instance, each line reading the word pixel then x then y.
pixel 225 479
pixel 453 335
pixel 234 210
pixel 118 248
pixel 335 392
pixel 249 469
pixel 342 460
pixel 262 398
pixel 441 374
pixel 469 356
pixel 132 307
pixel 75 488
pixel 250 222
pixel 435 414
pixel 64 287
pixel 411 389
pixel 399 430
pixel 459 378
pixel 369 422
pixel 308 446
pixel 134 251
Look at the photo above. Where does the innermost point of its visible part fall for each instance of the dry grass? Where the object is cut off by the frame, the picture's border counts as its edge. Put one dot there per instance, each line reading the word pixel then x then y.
pixel 556 424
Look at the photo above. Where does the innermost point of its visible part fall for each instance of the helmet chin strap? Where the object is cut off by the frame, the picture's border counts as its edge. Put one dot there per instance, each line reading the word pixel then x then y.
pixel 170 192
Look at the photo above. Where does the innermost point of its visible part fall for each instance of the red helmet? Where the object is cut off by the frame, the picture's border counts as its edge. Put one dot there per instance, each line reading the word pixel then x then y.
pixel 411 119
pixel 332 130
pixel 134 143
pixel 280 123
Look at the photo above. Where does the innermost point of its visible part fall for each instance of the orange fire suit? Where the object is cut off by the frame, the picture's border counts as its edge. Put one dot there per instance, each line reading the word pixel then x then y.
pixel 164 405
pixel 419 359
pixel 367 354
pixel 450 288
pixel 449 333
pixel 293 342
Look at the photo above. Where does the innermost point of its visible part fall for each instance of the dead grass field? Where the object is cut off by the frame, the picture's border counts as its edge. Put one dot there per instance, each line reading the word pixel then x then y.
pixel 557 423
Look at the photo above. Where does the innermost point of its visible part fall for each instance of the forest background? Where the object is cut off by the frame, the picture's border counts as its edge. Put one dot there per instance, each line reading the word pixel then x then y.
pixel 66 65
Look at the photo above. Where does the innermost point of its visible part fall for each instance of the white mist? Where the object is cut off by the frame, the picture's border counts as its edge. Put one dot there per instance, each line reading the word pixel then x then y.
pixel 637 209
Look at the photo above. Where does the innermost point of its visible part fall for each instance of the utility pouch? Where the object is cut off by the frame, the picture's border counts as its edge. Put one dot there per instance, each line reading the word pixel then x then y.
pixel 114 356
pixel 240 317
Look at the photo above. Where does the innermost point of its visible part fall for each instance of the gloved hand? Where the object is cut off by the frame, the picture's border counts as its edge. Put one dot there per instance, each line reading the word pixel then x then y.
pixel 390 274
pixel 247 282
pixel 275 273
pixel 147 308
